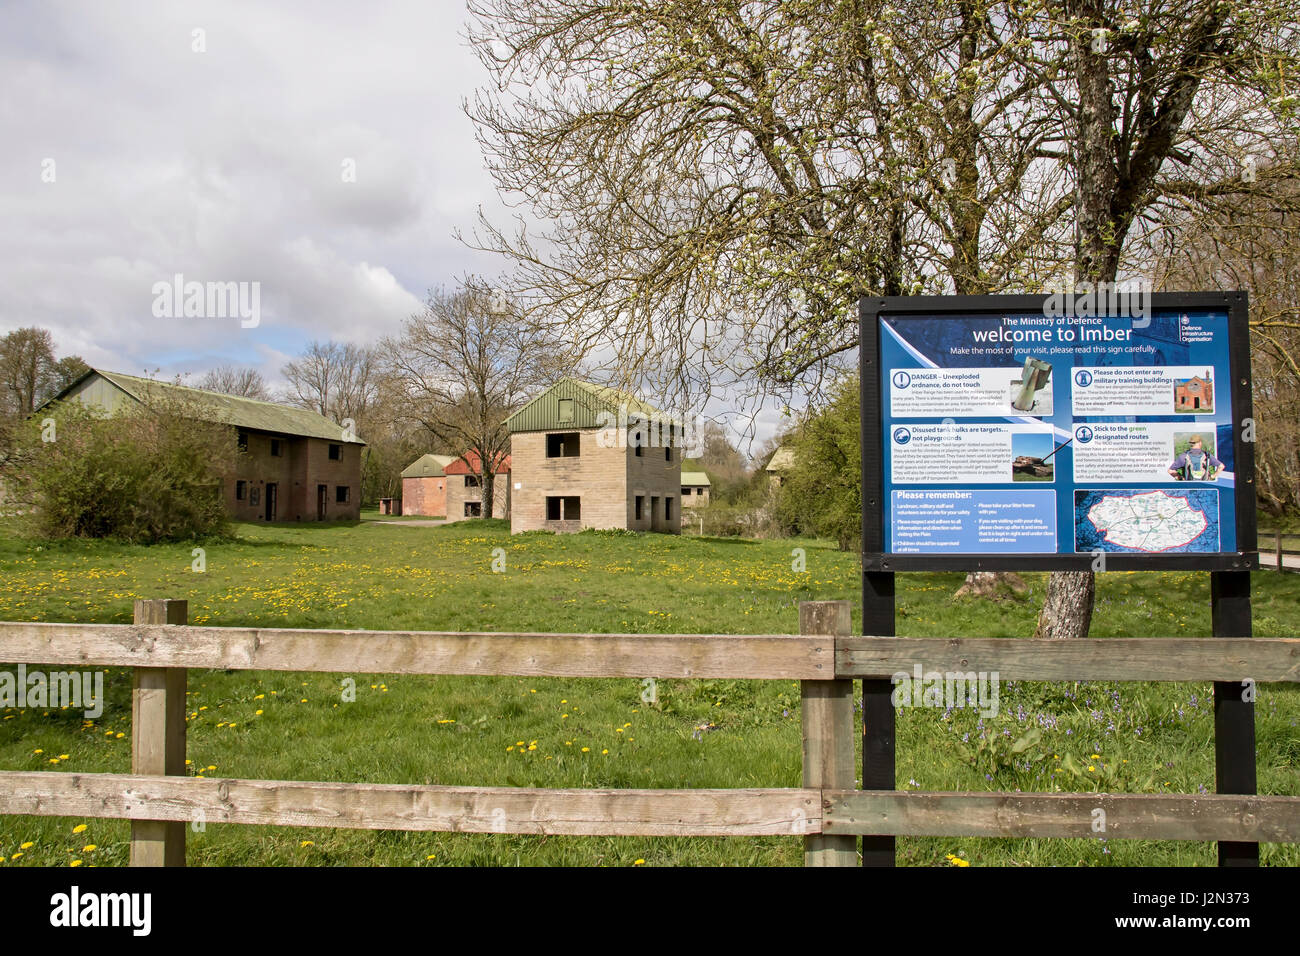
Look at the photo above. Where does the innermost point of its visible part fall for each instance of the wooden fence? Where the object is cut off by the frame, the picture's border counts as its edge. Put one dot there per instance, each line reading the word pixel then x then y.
pixel 160 799
pixel 1277 553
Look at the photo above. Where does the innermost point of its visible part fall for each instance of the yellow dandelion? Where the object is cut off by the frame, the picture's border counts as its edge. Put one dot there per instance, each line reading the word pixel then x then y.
pixel 79 828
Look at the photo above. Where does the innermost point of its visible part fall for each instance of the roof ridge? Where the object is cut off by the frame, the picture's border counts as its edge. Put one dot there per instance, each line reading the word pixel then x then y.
pixel 236 410
pixel 204 391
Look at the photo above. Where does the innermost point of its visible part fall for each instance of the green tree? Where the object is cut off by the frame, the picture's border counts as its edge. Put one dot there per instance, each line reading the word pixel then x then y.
pixel 822 494
pixel 144 475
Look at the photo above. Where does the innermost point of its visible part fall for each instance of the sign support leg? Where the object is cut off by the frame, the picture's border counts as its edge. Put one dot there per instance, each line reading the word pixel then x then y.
pixel 1234 708
pixel 877 710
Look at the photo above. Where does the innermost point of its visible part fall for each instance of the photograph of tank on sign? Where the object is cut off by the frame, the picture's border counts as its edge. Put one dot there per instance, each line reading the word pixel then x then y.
pixel 1032 456
pixel 1031 392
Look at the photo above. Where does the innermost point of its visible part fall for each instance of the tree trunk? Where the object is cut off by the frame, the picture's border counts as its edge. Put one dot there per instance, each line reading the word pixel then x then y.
pixel 488 487
pixel 1067 609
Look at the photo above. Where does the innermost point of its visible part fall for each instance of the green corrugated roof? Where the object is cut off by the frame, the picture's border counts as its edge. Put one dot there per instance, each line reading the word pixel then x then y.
pixel 226 409
pixel 695 478
pixel 589 400
pixel 428 466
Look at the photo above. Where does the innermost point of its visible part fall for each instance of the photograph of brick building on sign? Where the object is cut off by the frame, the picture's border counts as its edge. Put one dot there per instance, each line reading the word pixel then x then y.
pixel 1195 395
pixel 294 465
pixel 590 456
pixel 464 477
pixel 424 486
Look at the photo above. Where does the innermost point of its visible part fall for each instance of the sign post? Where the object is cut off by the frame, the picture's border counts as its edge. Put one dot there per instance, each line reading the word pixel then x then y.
pixel 1106 431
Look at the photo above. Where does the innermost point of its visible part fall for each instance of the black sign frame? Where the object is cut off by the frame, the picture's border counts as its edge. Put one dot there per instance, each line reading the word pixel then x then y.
pixel 874 507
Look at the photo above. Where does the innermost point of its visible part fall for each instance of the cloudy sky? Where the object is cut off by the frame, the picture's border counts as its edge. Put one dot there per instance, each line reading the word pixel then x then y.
pixel 319 149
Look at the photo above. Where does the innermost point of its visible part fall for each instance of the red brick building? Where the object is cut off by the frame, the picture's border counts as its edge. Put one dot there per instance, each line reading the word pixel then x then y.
pixel 293 465
pixel 465 487
pixel 424 486
pixel 1195 394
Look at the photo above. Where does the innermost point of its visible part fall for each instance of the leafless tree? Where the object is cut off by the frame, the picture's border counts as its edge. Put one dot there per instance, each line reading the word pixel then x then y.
pixel 244 382
pixel 1254 244
pixel 727 178
pixel 26 369
pixel 460 367
pixel 339 381
pixel 1165 102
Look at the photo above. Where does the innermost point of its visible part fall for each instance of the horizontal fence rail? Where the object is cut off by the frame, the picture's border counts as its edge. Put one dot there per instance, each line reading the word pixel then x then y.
pixel 755 657
pixel 160 798
pixel 764 656
pixel 1112 658
pixel 1136 816
pixel 375 806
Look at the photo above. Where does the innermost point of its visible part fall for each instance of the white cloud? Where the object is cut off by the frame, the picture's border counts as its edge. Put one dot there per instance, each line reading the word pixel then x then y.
pixel 228 165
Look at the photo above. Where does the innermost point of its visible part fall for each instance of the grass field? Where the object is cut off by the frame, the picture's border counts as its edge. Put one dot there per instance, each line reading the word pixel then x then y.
pixel 599 733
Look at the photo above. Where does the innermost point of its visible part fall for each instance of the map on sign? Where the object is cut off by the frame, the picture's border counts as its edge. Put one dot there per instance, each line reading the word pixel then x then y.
pixel 1150 521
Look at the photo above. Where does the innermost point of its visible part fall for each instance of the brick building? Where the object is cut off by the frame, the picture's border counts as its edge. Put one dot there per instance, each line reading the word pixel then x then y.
pixel 695 489
pixel 1196 394
pixel 781 462
pixel 589 456
pixel 424 486
pixel 294 465
pixel 464 478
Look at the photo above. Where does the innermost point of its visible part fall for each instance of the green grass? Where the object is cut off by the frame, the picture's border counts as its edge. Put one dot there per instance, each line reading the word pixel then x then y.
pixel 465 731
pixel 373 514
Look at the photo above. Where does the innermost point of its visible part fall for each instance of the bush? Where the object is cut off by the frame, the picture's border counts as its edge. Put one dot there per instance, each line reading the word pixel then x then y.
pixel 142 476
pixel 822 494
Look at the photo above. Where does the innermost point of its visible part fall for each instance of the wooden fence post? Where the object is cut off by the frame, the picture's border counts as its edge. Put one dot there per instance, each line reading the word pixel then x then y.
pixel 158 738
pixel 827 708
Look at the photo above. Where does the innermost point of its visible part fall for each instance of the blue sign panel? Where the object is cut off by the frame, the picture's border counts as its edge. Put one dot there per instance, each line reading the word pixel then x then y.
pixel 1027 432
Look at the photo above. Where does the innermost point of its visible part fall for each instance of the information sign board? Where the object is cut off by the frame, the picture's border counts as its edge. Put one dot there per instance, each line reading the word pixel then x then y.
pixel 1057 432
